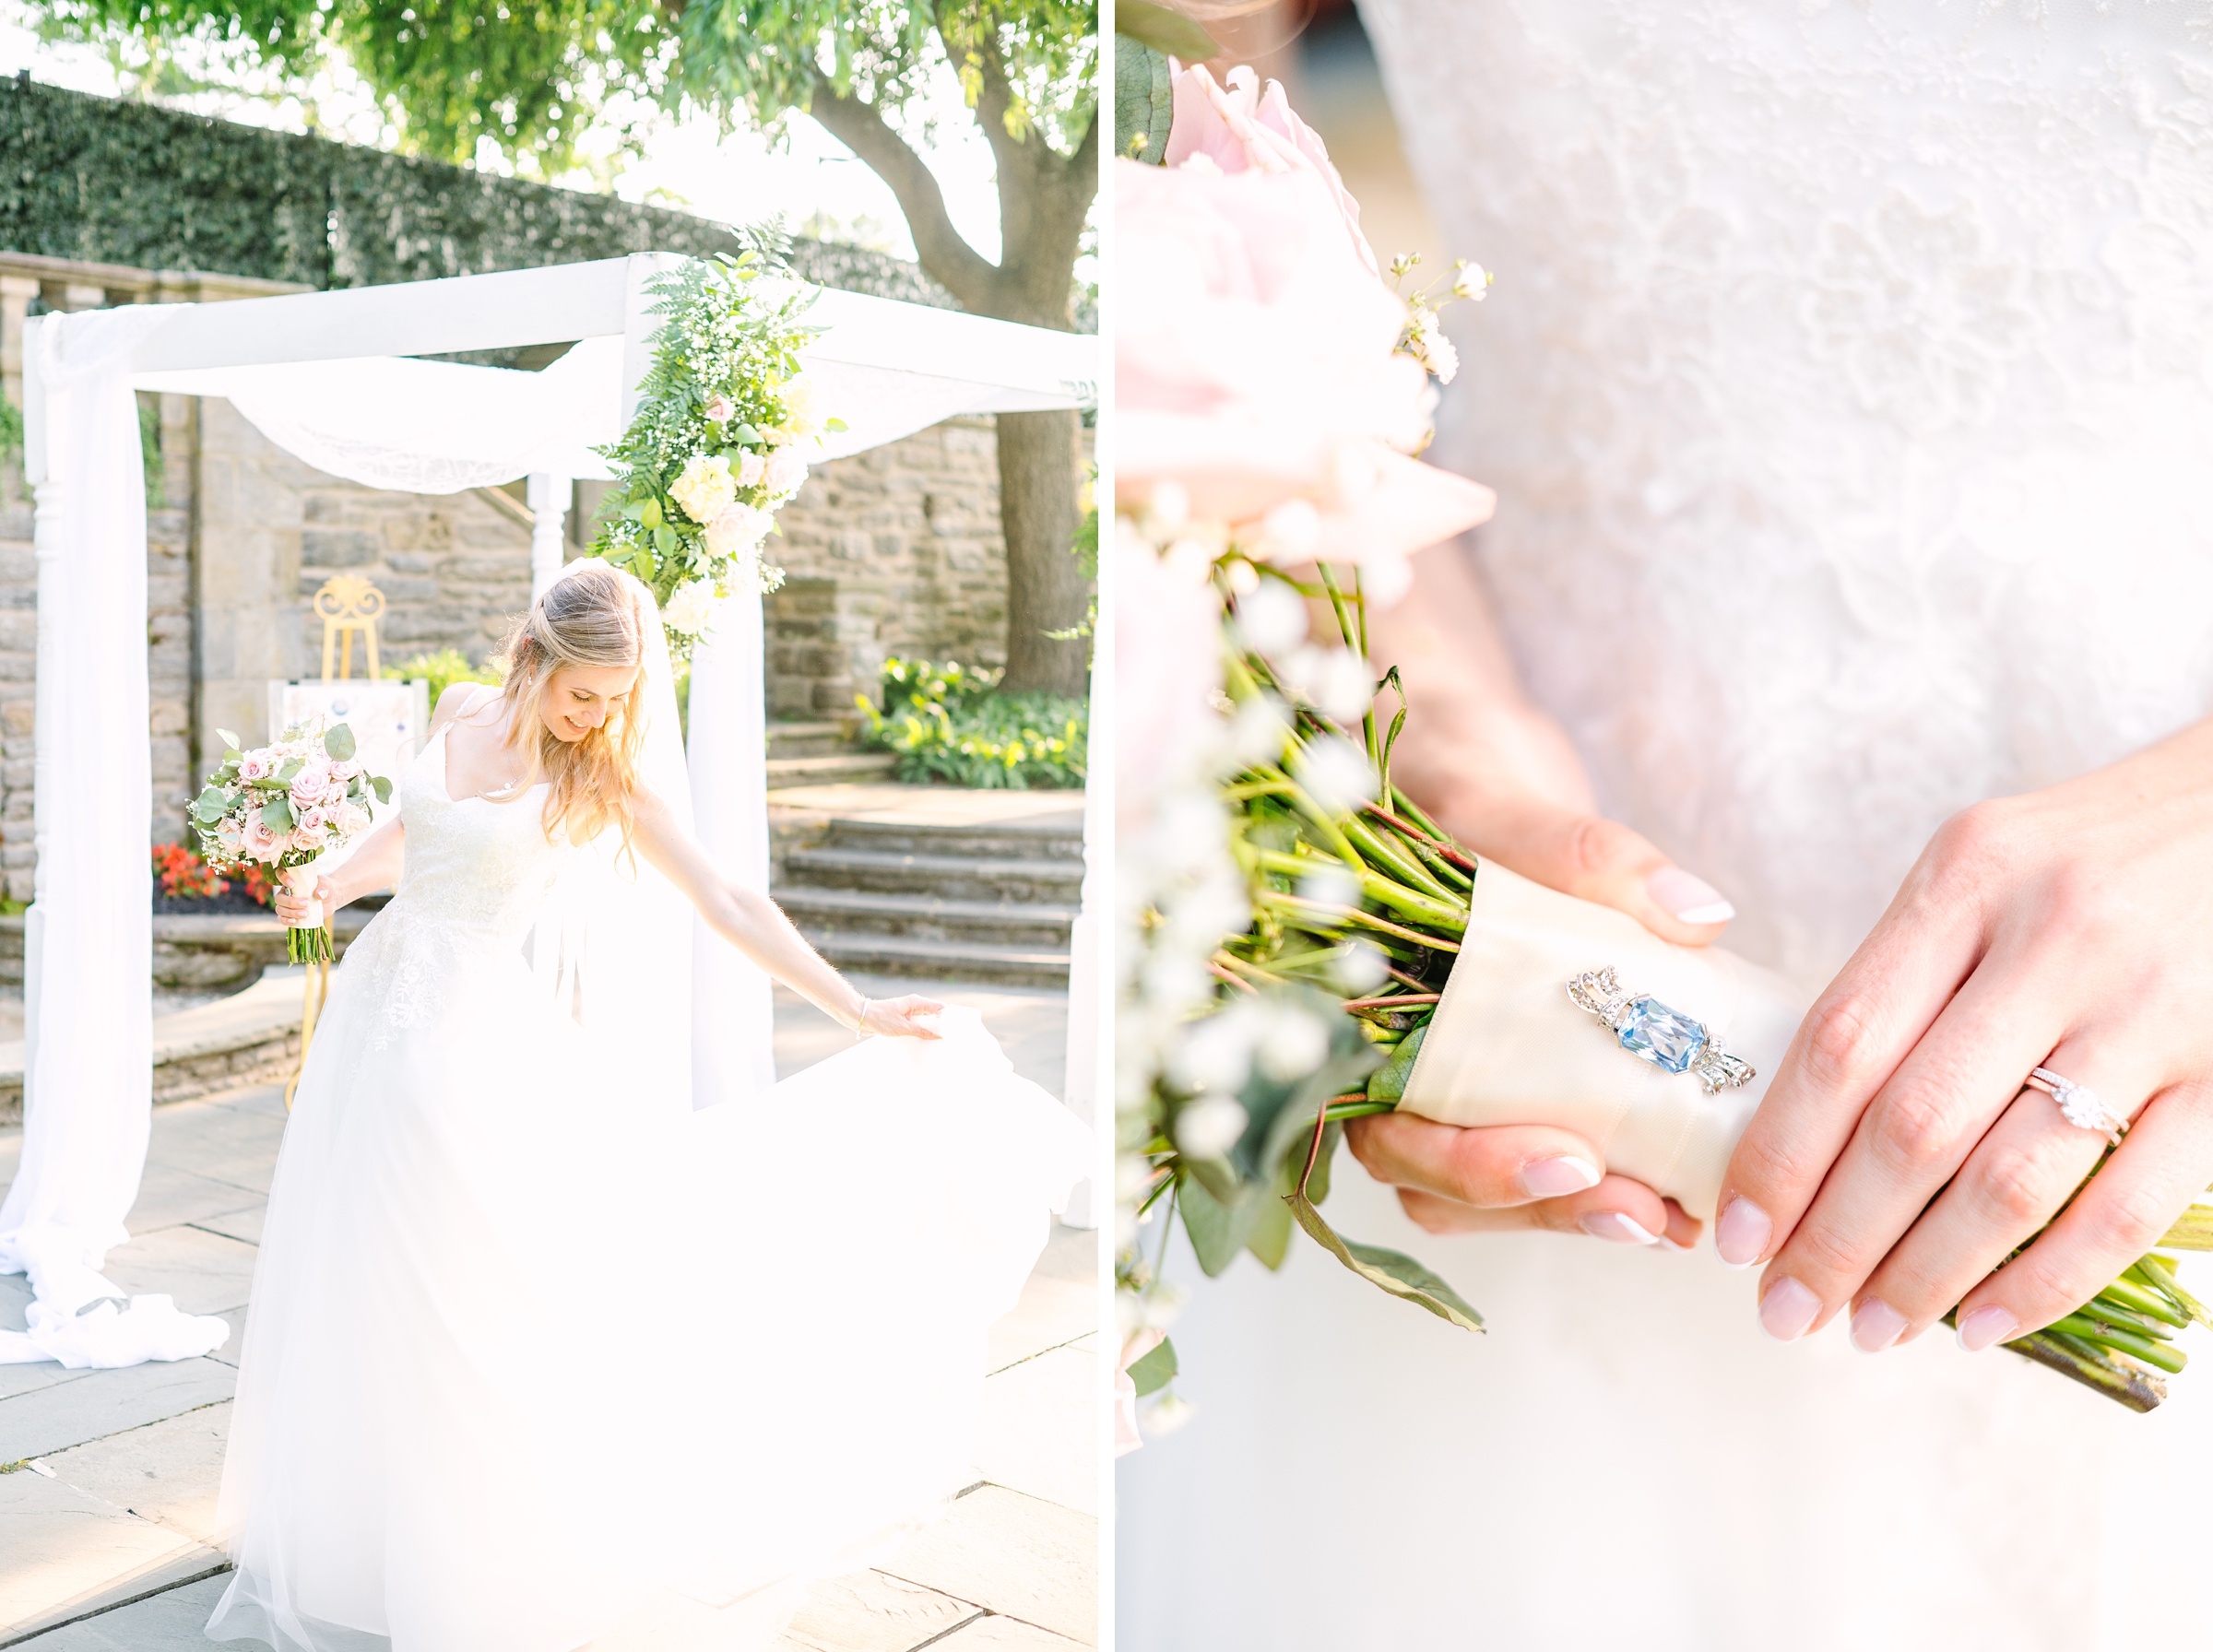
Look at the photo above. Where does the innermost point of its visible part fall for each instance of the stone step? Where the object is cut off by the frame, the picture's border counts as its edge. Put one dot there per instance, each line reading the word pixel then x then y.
pixel 929 917
pixel 250 1038
pixel 950 877
pixel 822 770
pixel 1056 840
pixel 823 739
pixel 941 959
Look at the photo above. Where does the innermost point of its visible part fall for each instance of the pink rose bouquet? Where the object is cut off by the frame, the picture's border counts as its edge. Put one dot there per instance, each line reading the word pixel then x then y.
pixel 284 806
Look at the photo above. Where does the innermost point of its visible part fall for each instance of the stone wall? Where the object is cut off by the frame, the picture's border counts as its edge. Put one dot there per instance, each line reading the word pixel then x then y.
pixel 455 569
pixel 893 551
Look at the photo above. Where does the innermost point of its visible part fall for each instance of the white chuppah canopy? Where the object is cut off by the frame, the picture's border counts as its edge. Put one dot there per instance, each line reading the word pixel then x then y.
pixel 331 378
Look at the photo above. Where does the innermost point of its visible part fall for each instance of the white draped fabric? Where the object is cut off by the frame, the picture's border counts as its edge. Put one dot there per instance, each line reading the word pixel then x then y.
pixel 335 380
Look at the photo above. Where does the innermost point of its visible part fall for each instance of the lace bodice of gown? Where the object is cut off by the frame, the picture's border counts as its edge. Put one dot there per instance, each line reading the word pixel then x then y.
pixel 1848 388
pixel 477 873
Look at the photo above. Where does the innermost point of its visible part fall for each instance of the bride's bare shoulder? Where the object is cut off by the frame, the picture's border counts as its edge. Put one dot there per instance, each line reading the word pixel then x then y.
pixel 460 698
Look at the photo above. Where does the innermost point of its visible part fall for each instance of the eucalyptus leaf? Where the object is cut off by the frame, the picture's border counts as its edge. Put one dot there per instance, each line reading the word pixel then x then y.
pixel 383 788
pixel 1271 1237
pixel 291 772
pixel 1156 1370
pixel 226 737
pixel 1168 32
pixel 1218 1230
pixel 1144 98
pixel 278 816
pixel 338 742
pixel 210 804
pixel 1389 1269
pixel 1388 1082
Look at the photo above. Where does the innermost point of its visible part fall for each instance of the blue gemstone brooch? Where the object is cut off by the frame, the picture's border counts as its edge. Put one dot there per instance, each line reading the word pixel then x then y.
pixel 1651 1031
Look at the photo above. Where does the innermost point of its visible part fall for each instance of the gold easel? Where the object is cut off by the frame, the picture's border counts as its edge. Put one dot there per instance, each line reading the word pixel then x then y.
pixel 348 604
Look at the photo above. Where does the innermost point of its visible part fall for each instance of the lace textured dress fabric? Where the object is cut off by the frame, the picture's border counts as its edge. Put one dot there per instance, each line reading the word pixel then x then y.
pixel 536 1359
pixel 1848 389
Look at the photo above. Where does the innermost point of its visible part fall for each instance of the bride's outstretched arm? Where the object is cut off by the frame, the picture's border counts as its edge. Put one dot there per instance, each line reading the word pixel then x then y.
pixel 756 925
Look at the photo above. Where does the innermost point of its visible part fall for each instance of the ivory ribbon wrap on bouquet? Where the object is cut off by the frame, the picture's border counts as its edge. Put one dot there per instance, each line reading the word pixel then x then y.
pixel 1509 1047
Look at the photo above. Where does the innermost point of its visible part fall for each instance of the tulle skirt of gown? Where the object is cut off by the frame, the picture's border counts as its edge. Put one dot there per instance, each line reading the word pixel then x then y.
pixel 527 1364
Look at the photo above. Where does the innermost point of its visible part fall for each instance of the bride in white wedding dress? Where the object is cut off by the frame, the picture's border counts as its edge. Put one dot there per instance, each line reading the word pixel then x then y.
pixel 1848 391
pixel 536 1356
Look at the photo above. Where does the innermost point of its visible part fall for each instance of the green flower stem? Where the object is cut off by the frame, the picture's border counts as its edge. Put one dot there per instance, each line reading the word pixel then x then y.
pixel 2139 1390
pixel 1230 961
pixel 1355 640
pixel 1393 1001
pixel 2126 1293
pixel 1359 1107
pixel 1298 907
pixel 1408 869
pixel 1423 832
pixel 1304 802
pixel 1462 884
pixel 2113 1337
pixel 2192 1231
pixel 2159 1271
pixel 1414 906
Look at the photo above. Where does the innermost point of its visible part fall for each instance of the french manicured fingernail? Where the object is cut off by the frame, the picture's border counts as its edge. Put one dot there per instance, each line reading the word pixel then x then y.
pixel 1549 1179
pixel 1742 1233
pixel 1692 899
pixel 1876 1325
pixel 1788 1309
pixel 1988 1324
pixel 1614 1225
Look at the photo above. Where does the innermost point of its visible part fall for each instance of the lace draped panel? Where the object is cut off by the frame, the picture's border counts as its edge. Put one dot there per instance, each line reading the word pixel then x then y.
pixel 1847 387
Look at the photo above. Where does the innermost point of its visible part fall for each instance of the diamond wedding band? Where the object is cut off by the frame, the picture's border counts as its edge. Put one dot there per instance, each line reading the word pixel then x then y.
pixel 2081 1106
pixel 1651 1031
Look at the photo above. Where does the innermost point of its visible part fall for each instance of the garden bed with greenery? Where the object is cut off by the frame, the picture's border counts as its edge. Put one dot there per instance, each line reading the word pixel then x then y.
pixel 948 723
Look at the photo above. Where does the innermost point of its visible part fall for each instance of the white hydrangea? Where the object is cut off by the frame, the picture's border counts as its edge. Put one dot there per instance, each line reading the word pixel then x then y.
pixel 737 530
pixel 689 607
pixel 705 488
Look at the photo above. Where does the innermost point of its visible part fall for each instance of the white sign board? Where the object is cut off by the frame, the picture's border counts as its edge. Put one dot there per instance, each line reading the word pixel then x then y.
pixel 388 719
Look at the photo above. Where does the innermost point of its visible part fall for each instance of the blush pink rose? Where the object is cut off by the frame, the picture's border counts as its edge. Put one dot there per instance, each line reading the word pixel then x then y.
pixel 750 469
pixel 262 843
pixel 252 765
pixel 785 471
pixel 719 409
pixel 1256 369
pixel 230 837
pixel 309 786
pixel 1245 127
pixel 352 819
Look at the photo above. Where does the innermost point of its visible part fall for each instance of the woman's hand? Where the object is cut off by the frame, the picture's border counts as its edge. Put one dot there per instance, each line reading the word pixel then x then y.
pixel 1505 780
pixel 293 910
pixel 900 1017
pixel 1896 1160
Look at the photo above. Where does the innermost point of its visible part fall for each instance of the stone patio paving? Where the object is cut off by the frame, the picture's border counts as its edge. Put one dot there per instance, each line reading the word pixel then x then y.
pixel 106 1528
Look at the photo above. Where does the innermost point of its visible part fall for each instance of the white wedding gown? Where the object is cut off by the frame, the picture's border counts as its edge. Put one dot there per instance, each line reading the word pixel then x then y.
pixel 1848 389
pixel 537 1357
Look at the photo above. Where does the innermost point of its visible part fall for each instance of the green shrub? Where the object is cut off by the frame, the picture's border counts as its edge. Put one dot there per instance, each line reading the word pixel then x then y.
pixel 447 665
pixel 944 723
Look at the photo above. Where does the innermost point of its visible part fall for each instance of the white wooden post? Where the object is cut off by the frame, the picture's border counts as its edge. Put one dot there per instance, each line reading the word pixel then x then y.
pixel 547 497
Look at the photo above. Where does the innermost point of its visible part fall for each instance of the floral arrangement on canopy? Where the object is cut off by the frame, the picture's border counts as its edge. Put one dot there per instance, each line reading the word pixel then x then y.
pixel 1288 917
pixel 714 450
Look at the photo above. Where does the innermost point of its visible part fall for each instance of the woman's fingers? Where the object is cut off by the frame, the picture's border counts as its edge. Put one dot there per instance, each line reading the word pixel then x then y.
pixel 1457 1180
pixel 2020 1173
pixel 1911 1138
pixel 1495 1165
pixel 1617 1210
pixel 1603 860
pixel 1850 1044
pixel 2125 1210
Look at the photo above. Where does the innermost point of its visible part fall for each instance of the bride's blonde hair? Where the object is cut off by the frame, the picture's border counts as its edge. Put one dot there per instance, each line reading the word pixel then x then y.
pixel 588 616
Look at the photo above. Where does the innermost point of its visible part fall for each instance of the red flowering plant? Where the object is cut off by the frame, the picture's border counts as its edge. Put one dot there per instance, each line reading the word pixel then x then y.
pixel 181 872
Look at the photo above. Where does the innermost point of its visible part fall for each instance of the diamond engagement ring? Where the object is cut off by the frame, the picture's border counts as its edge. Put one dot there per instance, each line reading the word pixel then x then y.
pixel 2084 1108
pixel 1651 1031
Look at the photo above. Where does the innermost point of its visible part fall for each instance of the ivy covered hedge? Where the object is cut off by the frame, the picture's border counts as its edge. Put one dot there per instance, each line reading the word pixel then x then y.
pixel 113 182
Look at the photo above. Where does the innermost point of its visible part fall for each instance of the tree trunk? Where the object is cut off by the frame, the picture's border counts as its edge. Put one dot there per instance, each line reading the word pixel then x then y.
pixel 1038 455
